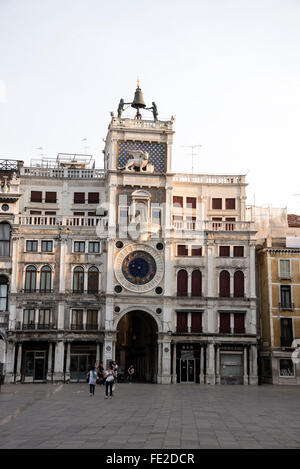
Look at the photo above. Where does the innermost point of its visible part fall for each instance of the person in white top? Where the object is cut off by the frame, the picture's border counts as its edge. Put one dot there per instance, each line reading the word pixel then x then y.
pixel 92 380
pixel 109 376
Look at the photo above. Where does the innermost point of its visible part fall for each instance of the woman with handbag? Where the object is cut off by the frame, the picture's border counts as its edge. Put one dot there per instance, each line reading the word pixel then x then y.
pixel 92 377
pixel 109 376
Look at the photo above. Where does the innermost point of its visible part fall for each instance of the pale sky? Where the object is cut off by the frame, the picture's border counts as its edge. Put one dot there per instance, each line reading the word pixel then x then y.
pixel 229 70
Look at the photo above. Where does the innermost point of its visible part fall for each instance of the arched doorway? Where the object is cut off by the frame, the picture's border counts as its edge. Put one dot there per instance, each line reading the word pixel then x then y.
pixel 137 345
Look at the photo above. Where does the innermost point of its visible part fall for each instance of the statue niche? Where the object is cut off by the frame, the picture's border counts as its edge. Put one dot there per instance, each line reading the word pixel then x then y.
pixel 138 161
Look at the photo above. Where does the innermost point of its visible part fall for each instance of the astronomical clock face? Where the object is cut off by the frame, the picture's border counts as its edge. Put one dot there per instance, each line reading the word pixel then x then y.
pixel 139 268
pixel 157 153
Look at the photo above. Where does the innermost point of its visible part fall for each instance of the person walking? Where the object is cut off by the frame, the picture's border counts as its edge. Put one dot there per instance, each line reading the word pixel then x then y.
pixel 109 376
pixel 100 374
pixel 92 380
pixel 130 374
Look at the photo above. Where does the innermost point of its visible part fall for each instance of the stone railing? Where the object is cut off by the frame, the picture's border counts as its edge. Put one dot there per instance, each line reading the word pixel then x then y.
pixel 208 179
pixel 61 221
pixel 146 124
pixel 68 173
pixel 187 225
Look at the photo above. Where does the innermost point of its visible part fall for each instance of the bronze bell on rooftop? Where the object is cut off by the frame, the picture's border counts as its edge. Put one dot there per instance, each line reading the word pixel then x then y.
pixel 138 100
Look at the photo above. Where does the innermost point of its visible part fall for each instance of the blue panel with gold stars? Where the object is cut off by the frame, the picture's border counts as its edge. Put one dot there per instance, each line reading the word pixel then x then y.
pixel 157 153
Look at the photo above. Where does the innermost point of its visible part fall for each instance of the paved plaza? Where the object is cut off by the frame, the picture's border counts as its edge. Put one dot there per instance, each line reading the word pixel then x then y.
pixel 149 416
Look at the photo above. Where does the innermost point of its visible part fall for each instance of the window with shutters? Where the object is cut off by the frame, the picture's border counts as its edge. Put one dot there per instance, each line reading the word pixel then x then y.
pixel 196 322
pixel 50 197
pixel 191 202
pixel 93 197
pixel 196 283
pixel 239 323
pixel 182 250
pixel 77 319
pixel 177 201
pixel 36 196
pixel 4 239
pixel 225 323
pixel 196 251
pixel 285 297
pixel 217 204
pixel 45 280
pixel 79 197
pixel 230 204
pixel 92 319
pixel 224 284
pixel 284 269
pixel 238 280
pixel 238 251
pixel 224 251
pixel 182 283
pixel 93 280
pixel 286 332
pixel 182 322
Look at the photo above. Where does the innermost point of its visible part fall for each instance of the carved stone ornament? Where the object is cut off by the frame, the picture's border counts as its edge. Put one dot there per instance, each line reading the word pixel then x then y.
pixel 139 268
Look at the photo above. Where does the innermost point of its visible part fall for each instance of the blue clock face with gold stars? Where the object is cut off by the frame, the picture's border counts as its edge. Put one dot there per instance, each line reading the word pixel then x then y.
pixel 139 267
pixel 157 153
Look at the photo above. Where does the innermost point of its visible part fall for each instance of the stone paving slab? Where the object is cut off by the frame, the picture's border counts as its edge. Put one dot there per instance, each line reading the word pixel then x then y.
pixel 149 416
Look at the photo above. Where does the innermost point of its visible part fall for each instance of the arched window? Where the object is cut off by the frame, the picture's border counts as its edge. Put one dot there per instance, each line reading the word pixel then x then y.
pixel 45 284
pixel 3 292
pixel 93 280
pixel 182 283
pixel 224 284
pixel 238 289
pixel 30 279
pixel 78 280
pixel 4 239
pixel 196 283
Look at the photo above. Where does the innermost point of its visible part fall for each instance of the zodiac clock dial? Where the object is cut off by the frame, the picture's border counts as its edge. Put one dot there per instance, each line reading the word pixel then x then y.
pixel 139 267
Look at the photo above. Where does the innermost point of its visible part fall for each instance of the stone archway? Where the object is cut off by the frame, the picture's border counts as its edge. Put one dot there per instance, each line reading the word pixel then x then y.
pixel 137 345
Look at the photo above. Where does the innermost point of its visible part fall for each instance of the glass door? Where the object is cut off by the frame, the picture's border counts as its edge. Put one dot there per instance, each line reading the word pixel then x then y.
pixel 187 371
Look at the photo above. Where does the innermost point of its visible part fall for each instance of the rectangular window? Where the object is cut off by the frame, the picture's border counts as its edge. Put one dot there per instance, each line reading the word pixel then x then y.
pixel 285 269
pixel 286 367
pixel 50 197
pixel 224 251
pixel 92 319
pixel 196 324
pixel 225 323
pixel 286 331
pixel 156 216
pixel 28 318
pixel 196 251
pixel 230 204
pixel 36 196
pixel 239 323
pixel 182 322
pixel 285 297
pixel 91 214
pixel 93 197
pixel 191 202
pixel 31 246
pixel 35 212
pixel 77 319
pixel 182 250
pixel 177 201
pixel 229 225
pixel 49 213
pixel 238 251
pixel 94 246
pixel 79 197
pixel 217 204
pixel 47 246
pixel 79 246
pixel 44 318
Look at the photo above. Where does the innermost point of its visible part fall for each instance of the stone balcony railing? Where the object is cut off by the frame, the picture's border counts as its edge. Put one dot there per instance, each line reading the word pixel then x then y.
pixel 209 178
pixel 145 124
pixel 186 225
pixel 66 173
pixel 39 220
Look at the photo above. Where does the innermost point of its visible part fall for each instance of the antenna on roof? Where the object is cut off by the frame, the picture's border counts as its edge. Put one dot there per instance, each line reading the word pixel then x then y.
pixel 193 154
pixel 85 146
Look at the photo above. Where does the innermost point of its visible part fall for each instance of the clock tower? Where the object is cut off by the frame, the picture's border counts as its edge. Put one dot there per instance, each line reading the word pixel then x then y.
pixel 137 158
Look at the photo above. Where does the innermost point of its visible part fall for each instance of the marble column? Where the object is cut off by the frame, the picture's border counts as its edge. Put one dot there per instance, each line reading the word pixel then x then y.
pixel 10 362
pixel 49 369
pixel 210 364
pixel 201 376
pixel 19 364
pixel 68 362
pixel 253 365
pixel 59 361
pixel 174 375
pixel 246 365
pixel 217 351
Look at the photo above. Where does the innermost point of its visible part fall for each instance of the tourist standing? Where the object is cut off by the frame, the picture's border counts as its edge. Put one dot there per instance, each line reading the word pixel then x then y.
pixel 92 380
pixel 109 376
pixel 130 373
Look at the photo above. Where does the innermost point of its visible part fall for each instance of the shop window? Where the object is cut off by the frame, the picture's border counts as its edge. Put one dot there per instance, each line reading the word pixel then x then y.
pixel 238 291
pixel 78 280
pixel 286 332
pixel 224 251
pixel 286 367
pixel 230 204
pixel 182 322
pixel 217 204
pixel 224 284
pixel 182 283
pixel 4 239
pixel 238 251
pixel 196 283
pixel 36 196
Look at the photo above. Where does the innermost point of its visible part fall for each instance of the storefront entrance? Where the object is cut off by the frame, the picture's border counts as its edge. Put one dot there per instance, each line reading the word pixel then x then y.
pixel 137 345
pixel 187 371
pixel 231 368
pixel 83 357
pixel 188 362
pixel 35 362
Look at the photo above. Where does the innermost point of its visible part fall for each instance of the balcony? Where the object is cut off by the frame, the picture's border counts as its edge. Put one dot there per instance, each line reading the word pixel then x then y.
pixel 65 173
pixel 37 290
pixel 237 226
pixel 84 327
pixel 209 179
pixel 37 220
pixel 287 305
pixel 19 326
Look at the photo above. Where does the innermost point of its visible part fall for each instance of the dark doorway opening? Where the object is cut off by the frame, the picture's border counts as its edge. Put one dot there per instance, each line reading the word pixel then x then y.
pixel 137 345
